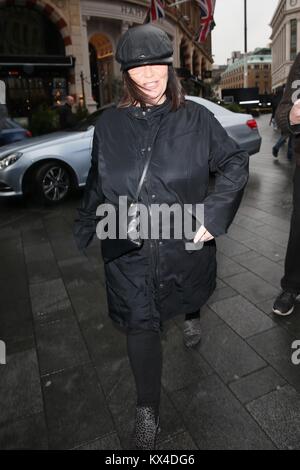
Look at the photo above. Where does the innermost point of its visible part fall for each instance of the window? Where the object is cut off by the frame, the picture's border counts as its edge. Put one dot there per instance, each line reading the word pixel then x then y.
pixel 293 40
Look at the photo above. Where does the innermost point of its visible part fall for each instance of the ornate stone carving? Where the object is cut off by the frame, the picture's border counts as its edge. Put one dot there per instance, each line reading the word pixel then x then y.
pixel 61 4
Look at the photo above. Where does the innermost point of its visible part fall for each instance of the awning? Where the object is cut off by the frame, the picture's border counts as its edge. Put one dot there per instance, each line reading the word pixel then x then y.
pixel 198 81
pixel 186 74
pixel 37 61
pixel 183 72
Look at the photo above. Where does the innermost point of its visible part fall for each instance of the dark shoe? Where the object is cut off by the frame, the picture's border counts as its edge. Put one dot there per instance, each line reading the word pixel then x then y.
pixel 285 303
pixel 192 332
pixel 146 428
pixel 275 152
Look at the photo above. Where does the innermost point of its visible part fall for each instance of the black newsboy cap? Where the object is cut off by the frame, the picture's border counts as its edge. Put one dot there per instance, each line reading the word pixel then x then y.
pixel 144 44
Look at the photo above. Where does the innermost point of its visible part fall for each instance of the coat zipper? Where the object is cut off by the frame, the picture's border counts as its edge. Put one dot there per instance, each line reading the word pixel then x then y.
pixel 156 251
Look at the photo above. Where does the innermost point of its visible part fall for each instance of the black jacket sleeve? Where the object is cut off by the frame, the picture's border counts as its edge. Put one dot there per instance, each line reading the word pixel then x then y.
pixel 230 164
pixel 84 227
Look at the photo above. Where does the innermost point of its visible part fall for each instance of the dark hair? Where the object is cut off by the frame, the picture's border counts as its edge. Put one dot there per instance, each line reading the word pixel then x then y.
pixel 133 94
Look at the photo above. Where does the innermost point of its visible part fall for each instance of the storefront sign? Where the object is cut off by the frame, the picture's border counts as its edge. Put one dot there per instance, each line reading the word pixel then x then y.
pixel 135 12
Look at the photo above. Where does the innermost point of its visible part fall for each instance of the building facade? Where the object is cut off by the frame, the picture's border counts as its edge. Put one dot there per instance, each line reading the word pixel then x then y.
pixel 259 65
pixel 51 48
pixel 285 38
pixel 217 72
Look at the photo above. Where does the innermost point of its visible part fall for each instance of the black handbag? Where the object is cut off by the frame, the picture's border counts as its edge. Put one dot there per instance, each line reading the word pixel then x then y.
pixel 113 248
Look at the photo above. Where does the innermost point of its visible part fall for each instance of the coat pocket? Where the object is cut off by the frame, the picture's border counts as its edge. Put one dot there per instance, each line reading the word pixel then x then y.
pixel 200 277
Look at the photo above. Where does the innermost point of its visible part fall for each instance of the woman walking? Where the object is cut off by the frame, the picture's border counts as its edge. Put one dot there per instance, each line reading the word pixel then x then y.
pixel 181 142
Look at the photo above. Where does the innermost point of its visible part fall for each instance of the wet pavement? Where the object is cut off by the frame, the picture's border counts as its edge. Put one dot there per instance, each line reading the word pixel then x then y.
pixel 67 382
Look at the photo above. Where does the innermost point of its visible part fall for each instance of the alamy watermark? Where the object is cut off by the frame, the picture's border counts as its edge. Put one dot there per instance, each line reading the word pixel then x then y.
pixel 2 352
pixel 2 92
pixel 156 221
pixel 296 353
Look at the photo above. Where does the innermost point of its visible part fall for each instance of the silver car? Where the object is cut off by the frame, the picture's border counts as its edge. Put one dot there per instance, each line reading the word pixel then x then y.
pixel 241 127
pixel 53 165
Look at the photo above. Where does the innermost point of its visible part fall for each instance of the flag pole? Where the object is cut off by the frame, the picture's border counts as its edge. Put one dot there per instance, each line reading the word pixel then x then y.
pixel 245 46
pixel 177 3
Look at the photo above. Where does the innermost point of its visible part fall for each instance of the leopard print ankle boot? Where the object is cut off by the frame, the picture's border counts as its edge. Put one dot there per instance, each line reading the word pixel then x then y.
pixel 146 428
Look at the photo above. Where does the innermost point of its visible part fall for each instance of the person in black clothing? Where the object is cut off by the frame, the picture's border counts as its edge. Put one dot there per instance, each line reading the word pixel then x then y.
pixel 160 280
pixel 288 120
pixel 280 142
pixel 277 97
pixel 66 115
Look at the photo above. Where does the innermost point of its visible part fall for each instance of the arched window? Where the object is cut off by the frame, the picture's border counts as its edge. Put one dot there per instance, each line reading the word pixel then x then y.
pixel 27 32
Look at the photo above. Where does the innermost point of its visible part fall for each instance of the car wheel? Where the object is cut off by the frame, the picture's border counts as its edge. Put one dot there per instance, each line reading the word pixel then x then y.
pixel 53 183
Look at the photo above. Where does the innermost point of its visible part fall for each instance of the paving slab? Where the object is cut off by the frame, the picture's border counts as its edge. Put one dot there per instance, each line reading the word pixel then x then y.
pixel 270 271
pixel 28 433
pixel 228 354
pixel 257 384
pixel 227 424
pixel 275 346
pixel 242 316
pixel 50 301
pixel 76 410
pixel 20 387
pixel 227 266
pixel 60 345
pixel 278 413
pixel 109 442
pixel 180 441
pixel 251 286
pixel 16 325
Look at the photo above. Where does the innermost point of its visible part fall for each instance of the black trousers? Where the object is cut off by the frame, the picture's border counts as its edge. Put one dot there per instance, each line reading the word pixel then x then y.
pixel 145 357
pixel 291 279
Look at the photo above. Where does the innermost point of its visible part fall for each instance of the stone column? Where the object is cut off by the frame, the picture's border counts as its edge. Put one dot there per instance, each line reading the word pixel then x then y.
pixel 124 26
pixel 197 70
pixel 90 103
pixel 116 66
pixel 288 41
pixel 189 56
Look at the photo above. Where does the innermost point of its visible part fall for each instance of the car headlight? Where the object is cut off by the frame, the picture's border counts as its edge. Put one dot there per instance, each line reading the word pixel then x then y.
pixel 9 160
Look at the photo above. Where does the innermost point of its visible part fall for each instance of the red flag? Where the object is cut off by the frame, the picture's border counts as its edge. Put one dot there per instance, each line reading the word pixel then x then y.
pixel 156 10
pixel 207 8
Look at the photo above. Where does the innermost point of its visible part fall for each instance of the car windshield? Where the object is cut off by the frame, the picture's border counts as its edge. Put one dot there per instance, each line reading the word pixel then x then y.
pixel 211 106
pixel 8 123
pixel 85 123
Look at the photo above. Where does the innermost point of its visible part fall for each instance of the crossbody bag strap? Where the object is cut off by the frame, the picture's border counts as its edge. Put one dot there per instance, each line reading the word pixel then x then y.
pixel 142 179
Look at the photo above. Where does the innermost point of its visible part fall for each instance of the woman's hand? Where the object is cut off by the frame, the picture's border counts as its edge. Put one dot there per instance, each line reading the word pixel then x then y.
pixel 203 235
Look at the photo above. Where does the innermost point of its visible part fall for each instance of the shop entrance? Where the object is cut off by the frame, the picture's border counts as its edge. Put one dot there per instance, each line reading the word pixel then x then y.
pixel 101 63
